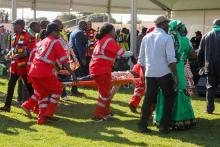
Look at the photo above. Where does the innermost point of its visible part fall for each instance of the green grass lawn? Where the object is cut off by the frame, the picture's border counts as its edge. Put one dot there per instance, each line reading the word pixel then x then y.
pixel 75 127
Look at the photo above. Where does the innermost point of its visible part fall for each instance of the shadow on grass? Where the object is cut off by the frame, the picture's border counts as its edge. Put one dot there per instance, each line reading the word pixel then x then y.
pixel 9 125
pixel 106 131
pixel 205 134
pixel 79 110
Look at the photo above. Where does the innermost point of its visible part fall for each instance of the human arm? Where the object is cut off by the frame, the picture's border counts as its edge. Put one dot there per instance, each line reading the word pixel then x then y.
pixel 141 58
pixel 170 56
pixel 201 53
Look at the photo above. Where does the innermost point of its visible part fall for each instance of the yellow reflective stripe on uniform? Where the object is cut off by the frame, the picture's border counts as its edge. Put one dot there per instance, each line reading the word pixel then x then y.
pixel 104 99
pixel 43 106
pixel 120 51
pixel 137 94
pixel 45 57
pixel 105 45
pixel 101 105
pixel 104 57
pixel 63 58
pixel 33 97
pixel 53 100
pixel 44 100
pixel 55 95
pixel 35 92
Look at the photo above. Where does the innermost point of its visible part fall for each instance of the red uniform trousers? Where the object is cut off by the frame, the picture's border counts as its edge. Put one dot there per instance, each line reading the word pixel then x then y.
pixel 103 82
pixel 32 103
pixel 138 94
pixel 49 89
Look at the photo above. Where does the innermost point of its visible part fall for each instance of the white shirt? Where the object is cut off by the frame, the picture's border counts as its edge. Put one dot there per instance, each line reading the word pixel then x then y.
pixel 156 53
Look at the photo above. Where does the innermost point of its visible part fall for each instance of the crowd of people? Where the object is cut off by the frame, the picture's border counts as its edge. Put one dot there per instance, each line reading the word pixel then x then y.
pixel 4 16
pixel 43 56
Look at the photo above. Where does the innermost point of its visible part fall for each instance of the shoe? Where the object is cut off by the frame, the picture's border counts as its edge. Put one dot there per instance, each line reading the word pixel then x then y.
pixel 164 130
pixel 65 98
pixel 146 130
pixel 143 129
pixel 28 112
pixel 77 93
pixel 5 109
pixel 132 108
pixel 109 116
pixel 208 112
pixel 51 118
pixel 98 120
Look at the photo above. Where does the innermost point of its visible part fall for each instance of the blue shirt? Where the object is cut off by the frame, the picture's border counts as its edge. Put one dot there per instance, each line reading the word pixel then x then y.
pixel 156 53
pixel 79 42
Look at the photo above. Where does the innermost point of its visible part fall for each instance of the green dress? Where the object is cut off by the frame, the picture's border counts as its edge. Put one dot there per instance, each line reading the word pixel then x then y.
pixel 182 114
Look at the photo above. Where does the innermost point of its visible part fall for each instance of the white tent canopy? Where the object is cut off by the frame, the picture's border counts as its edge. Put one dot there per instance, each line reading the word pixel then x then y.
pixel 196 14
pixel 99 6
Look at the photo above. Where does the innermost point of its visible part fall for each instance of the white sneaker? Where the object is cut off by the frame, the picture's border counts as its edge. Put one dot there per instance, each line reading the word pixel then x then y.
pixel 66 98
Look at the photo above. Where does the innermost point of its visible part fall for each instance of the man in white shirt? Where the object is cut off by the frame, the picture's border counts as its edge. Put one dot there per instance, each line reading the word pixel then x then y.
pixel 157 59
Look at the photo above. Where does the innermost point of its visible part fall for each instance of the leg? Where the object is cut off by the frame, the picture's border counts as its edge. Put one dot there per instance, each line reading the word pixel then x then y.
pixel 10 92
pixel 31 104
pixel 210 93
pixel 28 86
pixel 20 92
pixel 166 83
pixel 135 100
pixel 104 88
pixel 150 96
pixel 54 88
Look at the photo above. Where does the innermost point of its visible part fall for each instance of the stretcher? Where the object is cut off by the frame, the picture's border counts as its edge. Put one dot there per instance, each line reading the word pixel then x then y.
pixel 92 83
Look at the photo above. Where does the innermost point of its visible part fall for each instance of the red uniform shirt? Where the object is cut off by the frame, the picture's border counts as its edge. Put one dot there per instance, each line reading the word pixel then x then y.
pixel 49 50
pixel 104 55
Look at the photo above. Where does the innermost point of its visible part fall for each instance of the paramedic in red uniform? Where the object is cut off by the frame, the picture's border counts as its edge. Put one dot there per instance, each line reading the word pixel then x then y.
pixel 20 44
pixel 103 58
pixel 139 88
pixel 43 73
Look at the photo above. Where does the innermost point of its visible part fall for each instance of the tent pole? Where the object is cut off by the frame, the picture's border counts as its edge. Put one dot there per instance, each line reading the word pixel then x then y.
pixel 34 9
pixel 133 38
pixel 109 10
pixel 204 20
pixel 13 10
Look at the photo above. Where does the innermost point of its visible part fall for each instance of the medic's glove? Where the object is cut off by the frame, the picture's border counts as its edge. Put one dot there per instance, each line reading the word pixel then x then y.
pixel 127 54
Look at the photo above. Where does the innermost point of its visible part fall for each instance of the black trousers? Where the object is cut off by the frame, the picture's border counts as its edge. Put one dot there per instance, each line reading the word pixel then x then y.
pixel 11 86
pixel 153 84
pixel 212 82
pixel 23 94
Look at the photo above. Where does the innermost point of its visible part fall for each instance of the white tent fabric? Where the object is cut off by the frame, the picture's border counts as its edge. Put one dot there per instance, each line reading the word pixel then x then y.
pixel 197 20
pixel 196 14
pixel 99 6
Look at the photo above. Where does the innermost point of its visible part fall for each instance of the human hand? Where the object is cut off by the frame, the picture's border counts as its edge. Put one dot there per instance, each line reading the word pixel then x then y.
pixel 175 82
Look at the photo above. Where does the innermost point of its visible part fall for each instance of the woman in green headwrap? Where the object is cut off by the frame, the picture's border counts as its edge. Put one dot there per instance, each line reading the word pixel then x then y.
pixel 182 114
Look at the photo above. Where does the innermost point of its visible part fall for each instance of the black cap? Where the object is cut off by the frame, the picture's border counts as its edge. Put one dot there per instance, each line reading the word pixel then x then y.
pixel 19 22
pixel 1 26
pixel 51 27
